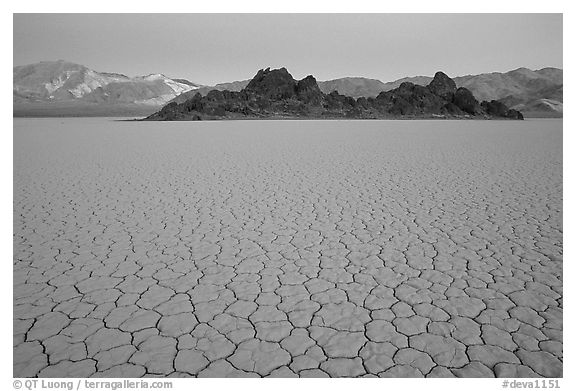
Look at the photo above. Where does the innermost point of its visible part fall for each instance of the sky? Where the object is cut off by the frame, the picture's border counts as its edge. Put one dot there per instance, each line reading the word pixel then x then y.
pixel 215 48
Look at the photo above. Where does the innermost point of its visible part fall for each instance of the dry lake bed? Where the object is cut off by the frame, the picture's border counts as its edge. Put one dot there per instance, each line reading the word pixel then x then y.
pixel 287 248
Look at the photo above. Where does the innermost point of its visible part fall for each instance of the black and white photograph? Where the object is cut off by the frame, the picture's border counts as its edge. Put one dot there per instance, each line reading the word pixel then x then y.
pixel 286 195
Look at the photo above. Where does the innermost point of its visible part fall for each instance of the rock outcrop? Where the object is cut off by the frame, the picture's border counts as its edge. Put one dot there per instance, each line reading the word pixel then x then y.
pixel 499 109
pixel 276 94
pixel 465 100
pixel 308 91
pixel 442 86
pixel 274 85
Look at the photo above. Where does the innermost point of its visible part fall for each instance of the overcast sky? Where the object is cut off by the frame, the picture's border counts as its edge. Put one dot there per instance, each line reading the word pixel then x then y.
pixel 214 48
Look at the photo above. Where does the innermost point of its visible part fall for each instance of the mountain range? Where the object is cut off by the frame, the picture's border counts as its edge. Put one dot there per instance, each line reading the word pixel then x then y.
pixel 276 94
pixel 64 87
pixel 60 88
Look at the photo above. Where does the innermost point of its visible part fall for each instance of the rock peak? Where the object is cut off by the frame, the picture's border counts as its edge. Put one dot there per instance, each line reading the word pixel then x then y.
pixel 272 84
pixel 443 86
pixel 441 76
pixel 308 91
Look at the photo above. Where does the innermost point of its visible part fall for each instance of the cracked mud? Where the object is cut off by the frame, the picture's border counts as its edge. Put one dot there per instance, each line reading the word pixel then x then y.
pixel 287 248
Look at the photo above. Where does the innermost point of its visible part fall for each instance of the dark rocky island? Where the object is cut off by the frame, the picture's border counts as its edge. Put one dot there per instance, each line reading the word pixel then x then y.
pixel 275 94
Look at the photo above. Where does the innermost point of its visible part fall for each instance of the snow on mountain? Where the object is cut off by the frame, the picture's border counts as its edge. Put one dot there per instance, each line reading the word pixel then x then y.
pixel 177 86
pixel 65 81
pixel 94 80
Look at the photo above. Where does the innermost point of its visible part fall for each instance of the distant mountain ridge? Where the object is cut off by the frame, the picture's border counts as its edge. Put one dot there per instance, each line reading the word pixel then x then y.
pixel 64 88
pixel 355 87
pixel 538 92
pixel 64 84
pixel 276 94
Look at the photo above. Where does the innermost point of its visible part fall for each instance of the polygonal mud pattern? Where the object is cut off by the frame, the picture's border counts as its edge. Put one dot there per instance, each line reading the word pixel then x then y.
pixel 297 248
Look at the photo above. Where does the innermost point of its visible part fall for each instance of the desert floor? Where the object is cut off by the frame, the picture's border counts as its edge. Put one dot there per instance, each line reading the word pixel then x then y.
pixel 287 248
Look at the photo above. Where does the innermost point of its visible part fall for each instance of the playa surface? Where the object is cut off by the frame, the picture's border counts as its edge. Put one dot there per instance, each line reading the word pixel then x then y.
pixel 287 248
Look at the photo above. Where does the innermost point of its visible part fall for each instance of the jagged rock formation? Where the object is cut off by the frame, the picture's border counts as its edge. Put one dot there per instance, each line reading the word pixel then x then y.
pixel 499 109
pixel 442 86
pixel 274 85
pixel 275 94
pixel 535 93
pixel 464 100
